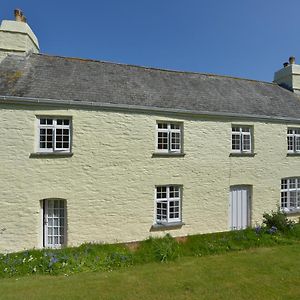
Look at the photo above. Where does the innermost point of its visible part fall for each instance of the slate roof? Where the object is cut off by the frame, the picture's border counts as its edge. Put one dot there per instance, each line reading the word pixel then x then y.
pixel 62 78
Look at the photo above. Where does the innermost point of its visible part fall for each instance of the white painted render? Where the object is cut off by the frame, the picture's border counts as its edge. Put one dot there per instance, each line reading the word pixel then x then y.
pixel 109 182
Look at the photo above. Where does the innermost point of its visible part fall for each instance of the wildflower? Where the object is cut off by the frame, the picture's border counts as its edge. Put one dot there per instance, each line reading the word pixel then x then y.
pixel 64 264
pixel 257 229
pixel 272 230
pixel 30 258
pixel 34 269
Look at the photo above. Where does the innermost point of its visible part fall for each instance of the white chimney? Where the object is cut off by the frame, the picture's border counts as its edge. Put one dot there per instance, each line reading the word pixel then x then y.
pixel 17 37
pixel 289 76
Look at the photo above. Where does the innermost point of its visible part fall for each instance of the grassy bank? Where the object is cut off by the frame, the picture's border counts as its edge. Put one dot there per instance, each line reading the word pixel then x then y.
pixel 261 273
pixel 95 257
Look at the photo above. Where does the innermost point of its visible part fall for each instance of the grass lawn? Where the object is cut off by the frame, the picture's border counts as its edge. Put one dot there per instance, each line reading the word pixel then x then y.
pixel 261 273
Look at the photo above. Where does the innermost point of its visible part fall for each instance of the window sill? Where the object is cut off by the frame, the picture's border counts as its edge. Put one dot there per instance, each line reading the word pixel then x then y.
pixel 293 154
pixel 238 154
pixel 166 226
pixel 291 212
pixel 50 154
pixel 168 154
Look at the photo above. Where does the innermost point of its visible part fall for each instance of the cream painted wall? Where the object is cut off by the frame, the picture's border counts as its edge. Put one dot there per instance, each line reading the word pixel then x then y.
pixel 109 181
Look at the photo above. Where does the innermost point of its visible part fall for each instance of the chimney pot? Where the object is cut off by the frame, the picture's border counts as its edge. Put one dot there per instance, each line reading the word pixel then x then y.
pixel 285 64
pixel 292 60
pixel 19 15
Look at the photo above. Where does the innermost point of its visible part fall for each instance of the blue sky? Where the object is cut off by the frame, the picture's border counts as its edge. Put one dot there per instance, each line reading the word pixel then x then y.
pixel 249 39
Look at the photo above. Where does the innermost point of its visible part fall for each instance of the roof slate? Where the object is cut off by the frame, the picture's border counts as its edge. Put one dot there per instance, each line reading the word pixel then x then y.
pixel 61 78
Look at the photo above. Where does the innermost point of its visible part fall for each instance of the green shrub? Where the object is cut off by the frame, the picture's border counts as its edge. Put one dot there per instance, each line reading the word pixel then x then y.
pixel 158 249
pixel 277 220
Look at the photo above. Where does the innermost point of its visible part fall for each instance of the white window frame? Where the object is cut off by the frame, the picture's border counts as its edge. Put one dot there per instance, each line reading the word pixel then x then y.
pixel 243 132
pixel 169 131
pixel 54 127
pixel 167 200
pixel 290 187
pixel 294 135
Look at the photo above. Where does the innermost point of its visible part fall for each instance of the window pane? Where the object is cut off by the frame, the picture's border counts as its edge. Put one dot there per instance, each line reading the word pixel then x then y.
pixel 50 240
pixel 161 192
pixel 246 143
pixel 161 211
pixel 293 199
pixel 175 141
pixel 283 184
pixel 292 182
pixel 162 125
pixel 236 142
pixel 162 142
pixel 290 143
pixel 175 126
pixel 245 129
pixel 297 143
pixel 174 191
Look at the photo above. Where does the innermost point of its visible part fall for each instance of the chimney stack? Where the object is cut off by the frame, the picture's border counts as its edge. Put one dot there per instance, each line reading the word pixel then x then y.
pixel 16 37
pixel 289 76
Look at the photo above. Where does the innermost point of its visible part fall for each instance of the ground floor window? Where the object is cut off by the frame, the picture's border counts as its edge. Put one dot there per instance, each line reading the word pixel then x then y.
pixel 54 223
pixel 290 194
pixel 168 204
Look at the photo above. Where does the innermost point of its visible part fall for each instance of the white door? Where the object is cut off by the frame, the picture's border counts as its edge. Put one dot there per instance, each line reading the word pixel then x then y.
pixel 54 223
pixel 239 208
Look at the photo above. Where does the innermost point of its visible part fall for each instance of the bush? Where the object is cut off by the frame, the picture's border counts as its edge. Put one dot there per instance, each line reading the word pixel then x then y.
pixel 158 249
pixel 277 220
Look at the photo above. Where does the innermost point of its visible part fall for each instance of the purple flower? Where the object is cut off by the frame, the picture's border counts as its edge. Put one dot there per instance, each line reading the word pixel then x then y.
pixel 272 230
pixel 257 229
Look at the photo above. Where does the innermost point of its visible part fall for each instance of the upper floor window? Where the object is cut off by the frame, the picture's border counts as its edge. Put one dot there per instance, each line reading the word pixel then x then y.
pixel 168 137
pixel 168 204
pixel 241 141
pixel 293 140
pixel 54 134
pixel 290 194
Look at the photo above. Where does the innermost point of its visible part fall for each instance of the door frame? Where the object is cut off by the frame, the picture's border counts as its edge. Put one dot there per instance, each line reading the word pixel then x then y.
pixel 44 223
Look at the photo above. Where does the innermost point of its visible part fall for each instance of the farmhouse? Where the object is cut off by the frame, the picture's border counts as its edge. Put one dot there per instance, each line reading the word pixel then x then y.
pixel 94 151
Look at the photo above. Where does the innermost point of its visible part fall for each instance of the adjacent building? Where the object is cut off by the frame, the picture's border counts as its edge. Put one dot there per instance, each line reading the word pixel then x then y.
pixel 94 151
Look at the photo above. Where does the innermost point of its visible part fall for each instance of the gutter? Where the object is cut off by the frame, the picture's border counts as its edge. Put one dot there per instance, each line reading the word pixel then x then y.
pixel 139 108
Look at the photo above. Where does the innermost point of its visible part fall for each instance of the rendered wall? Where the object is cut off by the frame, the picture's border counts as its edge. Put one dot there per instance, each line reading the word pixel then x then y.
pixel 109 181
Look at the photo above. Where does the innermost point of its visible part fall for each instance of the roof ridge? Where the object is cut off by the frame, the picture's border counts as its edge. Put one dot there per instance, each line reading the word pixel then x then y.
pixel 154 68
